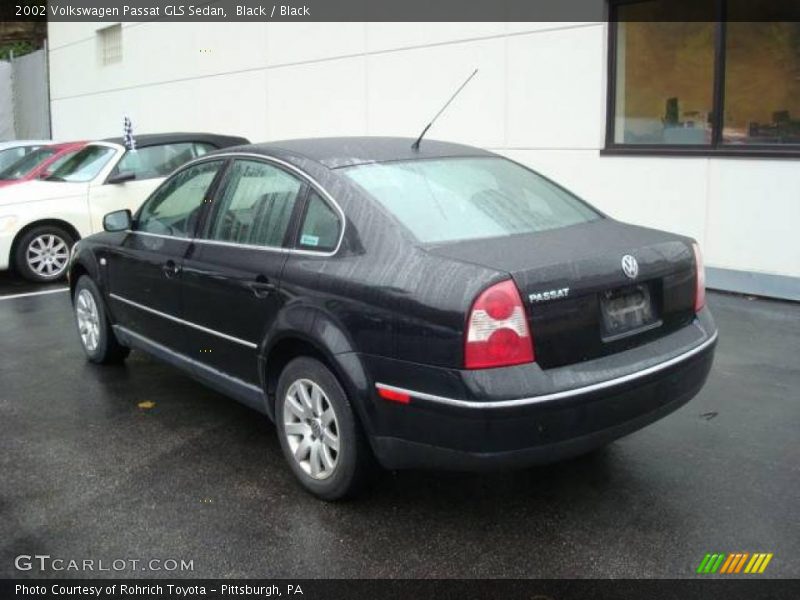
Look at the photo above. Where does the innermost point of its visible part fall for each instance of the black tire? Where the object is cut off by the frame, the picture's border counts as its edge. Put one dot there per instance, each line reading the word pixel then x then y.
pixel 28 243
pixel 106 349
pixel 354 460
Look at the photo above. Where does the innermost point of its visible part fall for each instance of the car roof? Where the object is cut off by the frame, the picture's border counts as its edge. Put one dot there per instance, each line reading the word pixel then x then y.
pixel 156 139
pixel 337 152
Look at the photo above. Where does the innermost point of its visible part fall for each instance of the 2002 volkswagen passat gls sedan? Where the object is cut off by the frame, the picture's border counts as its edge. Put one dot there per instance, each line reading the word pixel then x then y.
pixel 441 307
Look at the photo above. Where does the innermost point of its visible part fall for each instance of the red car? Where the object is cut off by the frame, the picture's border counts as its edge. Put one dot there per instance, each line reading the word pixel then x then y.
pixel 38 163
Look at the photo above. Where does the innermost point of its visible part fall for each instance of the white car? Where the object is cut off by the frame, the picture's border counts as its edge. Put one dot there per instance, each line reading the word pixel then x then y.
pixel 11 152
pixel 41 220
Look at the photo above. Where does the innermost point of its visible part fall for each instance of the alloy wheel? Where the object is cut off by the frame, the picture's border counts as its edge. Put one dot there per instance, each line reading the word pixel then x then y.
pixel 88 320
pixel 311 428
pixel 47 255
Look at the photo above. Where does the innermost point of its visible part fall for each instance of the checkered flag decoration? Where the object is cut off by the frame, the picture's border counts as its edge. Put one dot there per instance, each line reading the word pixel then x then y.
pixel 127 135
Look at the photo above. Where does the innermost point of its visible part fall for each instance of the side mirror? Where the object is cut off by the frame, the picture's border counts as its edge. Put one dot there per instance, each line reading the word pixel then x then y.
pixel 119 220
pixel 121 177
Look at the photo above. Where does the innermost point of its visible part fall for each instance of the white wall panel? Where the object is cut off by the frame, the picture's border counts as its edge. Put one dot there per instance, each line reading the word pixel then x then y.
pixel 305 41
pixel 754 215
pixel 406 89
pixel 394 36
pixel 193 105
pixel 317 99
pixel 555 89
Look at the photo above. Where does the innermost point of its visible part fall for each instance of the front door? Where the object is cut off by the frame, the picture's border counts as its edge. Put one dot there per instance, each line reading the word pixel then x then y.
pixel 144 272
pixel 232 272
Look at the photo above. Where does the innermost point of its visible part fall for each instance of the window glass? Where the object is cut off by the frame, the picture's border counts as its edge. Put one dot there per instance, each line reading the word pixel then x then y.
pixel 256 205
pixel 441 200
pixel 26 164
pixel 56 164
pixel 175 207
pixel 664 78
pixel 320 230
pixel 160 161
pixel 84 165
pixel 762 82
pixel 11 155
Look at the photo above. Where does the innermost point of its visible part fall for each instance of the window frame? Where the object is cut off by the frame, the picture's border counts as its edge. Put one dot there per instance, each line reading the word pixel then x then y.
pixel 211 191
pixel 717 148
pixel 290 243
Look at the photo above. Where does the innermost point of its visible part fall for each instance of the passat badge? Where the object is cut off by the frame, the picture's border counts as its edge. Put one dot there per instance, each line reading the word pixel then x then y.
pixel 629 266
pixel 548 295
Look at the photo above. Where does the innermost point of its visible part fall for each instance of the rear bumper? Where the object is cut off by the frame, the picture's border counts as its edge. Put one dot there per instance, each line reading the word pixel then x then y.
pixel 481 431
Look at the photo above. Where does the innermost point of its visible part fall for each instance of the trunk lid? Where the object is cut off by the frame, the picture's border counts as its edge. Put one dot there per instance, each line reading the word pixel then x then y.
pixel 580 302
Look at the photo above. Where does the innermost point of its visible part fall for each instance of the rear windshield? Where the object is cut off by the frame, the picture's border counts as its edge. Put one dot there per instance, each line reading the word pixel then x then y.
pixel 449 199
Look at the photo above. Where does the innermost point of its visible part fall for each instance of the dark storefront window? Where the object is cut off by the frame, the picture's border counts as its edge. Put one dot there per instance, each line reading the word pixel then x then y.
pixel 702 86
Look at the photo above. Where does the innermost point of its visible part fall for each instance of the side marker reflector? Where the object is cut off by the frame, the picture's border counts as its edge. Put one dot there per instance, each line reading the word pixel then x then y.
pixel 393 396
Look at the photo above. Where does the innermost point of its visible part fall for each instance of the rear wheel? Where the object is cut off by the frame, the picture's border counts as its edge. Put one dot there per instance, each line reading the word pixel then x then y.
pixel 97 337
pixel 42 253
pixel 318 431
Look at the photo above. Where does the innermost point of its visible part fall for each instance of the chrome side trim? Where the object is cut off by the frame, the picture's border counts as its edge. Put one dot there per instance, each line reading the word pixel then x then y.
pixel 224 336
pixel 269 159
pixel 556 395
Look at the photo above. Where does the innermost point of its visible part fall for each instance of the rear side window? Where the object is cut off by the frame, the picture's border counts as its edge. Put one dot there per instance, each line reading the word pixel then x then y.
pixel 255 206
pixel 320 228
pixel 449 199
pixel 159 161
pixel 174 208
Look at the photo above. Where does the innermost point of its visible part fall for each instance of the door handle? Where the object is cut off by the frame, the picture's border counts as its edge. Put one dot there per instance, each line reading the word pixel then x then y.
pixel 170 268
pixel 262 287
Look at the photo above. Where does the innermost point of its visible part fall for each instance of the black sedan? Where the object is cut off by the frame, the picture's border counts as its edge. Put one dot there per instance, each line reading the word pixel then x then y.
pixel 435 307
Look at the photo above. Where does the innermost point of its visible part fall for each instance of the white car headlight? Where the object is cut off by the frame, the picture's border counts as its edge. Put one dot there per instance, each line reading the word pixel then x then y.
pixel 8 223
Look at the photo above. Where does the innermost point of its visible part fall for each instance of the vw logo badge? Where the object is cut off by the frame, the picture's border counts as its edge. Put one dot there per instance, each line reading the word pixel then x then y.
pixel 629 266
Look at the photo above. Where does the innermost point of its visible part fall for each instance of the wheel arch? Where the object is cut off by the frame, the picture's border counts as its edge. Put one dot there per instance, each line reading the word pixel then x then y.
pixel 65 225
pixel 315 341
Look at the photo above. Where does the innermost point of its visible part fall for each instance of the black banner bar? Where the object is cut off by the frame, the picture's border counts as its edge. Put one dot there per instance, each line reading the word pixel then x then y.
pixel 733 588
pixel 113 11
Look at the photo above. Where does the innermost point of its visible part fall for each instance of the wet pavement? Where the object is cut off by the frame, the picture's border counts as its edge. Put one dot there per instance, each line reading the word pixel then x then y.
pixel 88 471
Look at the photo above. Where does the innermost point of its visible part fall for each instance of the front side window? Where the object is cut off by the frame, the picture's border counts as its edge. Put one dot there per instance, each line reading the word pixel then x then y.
pixel 26 164
pixel 159 161
pixel 448 199
pixel 84 165
pixel 175 207
pixel 255 206
pixel 734 83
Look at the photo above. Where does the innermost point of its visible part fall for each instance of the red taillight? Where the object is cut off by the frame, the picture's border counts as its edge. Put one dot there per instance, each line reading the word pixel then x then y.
pixel 700 279
pixel 497 329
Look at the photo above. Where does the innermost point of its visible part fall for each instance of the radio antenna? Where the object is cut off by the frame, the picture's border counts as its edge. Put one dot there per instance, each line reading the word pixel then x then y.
pixel 415 145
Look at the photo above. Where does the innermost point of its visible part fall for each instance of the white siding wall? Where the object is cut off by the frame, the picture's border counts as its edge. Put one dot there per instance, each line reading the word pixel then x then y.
pixel 539 97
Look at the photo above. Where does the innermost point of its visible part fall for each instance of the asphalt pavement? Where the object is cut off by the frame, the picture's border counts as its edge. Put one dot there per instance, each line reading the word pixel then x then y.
pixel 140 462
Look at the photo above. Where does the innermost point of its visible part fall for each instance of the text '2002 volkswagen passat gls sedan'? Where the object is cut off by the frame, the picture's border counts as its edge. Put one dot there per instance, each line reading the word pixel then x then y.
pixel 439 307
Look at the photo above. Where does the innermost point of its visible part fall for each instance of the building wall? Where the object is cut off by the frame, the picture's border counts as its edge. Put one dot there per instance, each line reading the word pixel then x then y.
pixel 539 97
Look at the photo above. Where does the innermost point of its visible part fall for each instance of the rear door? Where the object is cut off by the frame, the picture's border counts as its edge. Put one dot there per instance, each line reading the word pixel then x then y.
pixel 232 272
pixel 144 271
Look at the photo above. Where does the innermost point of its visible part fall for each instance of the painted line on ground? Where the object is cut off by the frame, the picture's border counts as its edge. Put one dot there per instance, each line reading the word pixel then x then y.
pixel 27 294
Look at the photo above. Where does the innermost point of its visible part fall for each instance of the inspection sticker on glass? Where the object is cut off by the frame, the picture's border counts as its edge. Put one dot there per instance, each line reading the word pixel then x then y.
pixel 309 240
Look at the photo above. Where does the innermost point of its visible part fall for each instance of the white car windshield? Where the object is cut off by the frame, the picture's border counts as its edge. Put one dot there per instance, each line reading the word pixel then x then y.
pixel 83 165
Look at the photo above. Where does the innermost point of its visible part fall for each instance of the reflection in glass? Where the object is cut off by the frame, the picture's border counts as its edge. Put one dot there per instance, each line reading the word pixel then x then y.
pixel 762 84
